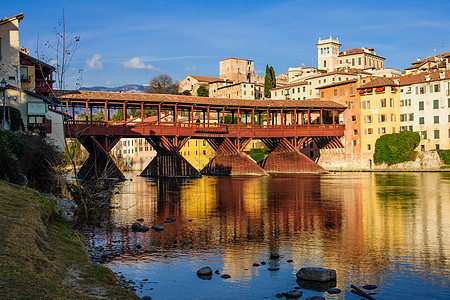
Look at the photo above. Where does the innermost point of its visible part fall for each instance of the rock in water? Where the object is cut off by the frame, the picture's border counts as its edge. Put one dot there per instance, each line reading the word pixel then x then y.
pixel 158 227
pixel 256 265
pixel 316 298
pixel 295 294
pixel 136 227
pixel 273 269
pixel 333 291
pixel 316 274
pixel 205 271
pixel 225 276
pixel 217 271
pixel 369 287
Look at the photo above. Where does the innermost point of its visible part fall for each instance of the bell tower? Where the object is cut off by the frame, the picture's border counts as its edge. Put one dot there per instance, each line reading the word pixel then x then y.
pixel 327 53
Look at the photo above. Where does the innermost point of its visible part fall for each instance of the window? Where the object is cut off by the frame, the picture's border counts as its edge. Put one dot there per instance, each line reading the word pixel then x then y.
pixel 369 130
pixel 352 91
pixel 436 134
pixel 392 117
pixel 368 104
pixel 368 146
pixel 436 119
pixel 383 102
pixel 355 131
pixel 353 61
pixel 324 63
pixel 411 117
pixel 354 118
pixel 335 93
pixel 422 89
pixel 435 104
pixel 437 146
pixel 342 92
pixel 436 88
pixel 421 120
pixel 423 135
pixel 368 119
pixel 359 60
pixel 324 80
pixel 382 118
pixel 383 130
pixel 23 73
pixel 304 89
pixel 322 94
pixel 298 90
pixel 421 105
pixel 204 143
pixel 391 102
pixel 354 143
pixel 422 148
pixel 204 152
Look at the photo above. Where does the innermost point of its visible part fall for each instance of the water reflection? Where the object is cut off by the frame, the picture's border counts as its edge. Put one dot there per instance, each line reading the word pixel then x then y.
pixel 392 230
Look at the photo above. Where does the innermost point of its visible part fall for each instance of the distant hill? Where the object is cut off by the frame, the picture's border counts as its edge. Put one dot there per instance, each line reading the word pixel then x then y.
pixel 129 88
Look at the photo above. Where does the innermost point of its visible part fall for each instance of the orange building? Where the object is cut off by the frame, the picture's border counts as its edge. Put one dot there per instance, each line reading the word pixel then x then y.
pixel 345 92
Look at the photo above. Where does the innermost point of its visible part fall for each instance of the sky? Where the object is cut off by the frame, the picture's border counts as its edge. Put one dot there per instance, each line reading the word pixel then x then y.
pixel 130 42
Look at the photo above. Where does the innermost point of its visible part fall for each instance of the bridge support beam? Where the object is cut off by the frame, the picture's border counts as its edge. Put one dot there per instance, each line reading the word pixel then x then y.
pixel 230 160
pixel 99 163
pixel 168 161
pixel 285 157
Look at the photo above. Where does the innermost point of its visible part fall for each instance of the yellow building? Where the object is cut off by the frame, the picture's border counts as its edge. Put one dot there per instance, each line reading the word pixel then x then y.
pixel 380 114
pixel 198 153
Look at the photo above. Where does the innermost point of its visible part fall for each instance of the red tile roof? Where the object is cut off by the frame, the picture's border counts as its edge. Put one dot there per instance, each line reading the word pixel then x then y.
pixel 378 82
pixel 338 83
pixel 206 79
pixel 422 77
pixel 356 51
pixel 181 99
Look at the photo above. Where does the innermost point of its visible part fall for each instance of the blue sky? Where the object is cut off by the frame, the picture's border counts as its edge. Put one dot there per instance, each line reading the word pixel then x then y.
pixel 124 42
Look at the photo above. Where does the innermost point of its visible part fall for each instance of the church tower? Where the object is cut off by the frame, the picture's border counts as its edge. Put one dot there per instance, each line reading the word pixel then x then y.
pixel 327 53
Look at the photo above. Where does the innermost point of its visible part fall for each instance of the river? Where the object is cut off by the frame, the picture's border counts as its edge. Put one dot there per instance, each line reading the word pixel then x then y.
pixel 387 229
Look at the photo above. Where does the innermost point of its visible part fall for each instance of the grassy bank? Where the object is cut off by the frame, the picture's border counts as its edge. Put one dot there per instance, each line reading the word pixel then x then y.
pixel 42 257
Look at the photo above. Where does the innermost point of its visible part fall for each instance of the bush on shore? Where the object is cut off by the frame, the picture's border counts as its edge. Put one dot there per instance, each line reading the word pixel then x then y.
pixel 444 155
pixel 396 147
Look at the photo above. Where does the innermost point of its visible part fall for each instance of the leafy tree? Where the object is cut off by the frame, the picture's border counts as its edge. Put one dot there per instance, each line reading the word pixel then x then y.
pixel 230 120
pixel 162 84
pixel 396 147
pixel 270 81
pixel 13 117
pixel 118 116
pixel 186 93
pixel 202 91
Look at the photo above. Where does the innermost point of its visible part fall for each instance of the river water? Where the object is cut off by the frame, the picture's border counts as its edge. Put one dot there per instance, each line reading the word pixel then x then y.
pixel 387 229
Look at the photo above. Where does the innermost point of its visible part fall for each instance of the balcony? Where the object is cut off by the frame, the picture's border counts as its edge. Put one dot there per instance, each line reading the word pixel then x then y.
pixel 44 86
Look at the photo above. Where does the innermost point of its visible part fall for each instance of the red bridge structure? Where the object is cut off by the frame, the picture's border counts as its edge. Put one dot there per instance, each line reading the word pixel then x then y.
pixel 284 126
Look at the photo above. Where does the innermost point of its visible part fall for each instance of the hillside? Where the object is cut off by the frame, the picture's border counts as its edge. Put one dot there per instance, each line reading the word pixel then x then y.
pixel 129 88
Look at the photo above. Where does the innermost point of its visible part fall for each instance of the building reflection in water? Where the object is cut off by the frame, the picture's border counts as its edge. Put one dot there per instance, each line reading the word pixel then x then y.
pixel 358 223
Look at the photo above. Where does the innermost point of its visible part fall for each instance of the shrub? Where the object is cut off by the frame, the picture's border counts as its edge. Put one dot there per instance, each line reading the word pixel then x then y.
pixel 12 149
pixel 258 154
pixel 444 155
pixel 13 117
pixel 396 147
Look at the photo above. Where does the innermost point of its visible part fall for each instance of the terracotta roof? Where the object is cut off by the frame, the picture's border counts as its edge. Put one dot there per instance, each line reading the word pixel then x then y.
pixel 378 82
pixel 205 78
pixel 422 77
pixel 348 72
pixel 236 58
pixel 6 20
pixel 338 83
pixel 181 99
pixel 290 85
pixel 356 51
pixel 36 62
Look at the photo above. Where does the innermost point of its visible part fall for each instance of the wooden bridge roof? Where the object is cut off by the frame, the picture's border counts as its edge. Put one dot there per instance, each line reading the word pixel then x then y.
pixel 203 101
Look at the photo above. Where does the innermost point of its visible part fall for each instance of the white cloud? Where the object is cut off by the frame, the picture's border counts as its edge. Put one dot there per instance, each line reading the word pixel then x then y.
pixel 137 63
pixel 94 63
pixel 193 68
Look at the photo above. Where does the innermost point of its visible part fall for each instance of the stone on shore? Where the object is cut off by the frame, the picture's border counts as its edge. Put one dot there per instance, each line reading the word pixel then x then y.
pixel 316 274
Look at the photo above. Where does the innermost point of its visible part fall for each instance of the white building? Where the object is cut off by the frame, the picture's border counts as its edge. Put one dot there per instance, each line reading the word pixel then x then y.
pixel 425 107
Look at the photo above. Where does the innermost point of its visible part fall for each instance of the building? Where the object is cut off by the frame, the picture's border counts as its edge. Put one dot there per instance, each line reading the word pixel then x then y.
pixel 380 114
pixel 240 90
pixel 237 69
pixel 432 63
pixel 425 107
pixel 301 73
pixel 29 84
pixel 345 92
pixel 191 83
pixel 330 58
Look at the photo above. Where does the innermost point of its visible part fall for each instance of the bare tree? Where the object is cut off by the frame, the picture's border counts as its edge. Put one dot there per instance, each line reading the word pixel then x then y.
pixel 162 84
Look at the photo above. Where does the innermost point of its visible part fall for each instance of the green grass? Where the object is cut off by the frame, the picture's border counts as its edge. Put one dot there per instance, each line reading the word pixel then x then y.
pixel 42 257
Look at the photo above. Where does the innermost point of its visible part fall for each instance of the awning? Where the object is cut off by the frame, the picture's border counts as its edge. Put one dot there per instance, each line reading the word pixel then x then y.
pixel 379 89
pixel 368 90
pixel 393 88
pixel 362 91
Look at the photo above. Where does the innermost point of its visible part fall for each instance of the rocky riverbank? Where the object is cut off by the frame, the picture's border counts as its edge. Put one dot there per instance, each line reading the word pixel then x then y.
pixel 42 257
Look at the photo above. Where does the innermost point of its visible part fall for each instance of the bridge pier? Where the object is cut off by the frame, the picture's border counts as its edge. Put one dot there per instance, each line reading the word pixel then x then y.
pixel 99 163
pixel 230 160
pixel 285 157
pixel 168 161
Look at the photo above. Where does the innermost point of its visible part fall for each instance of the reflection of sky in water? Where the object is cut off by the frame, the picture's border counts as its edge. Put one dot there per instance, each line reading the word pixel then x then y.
pixel 392 230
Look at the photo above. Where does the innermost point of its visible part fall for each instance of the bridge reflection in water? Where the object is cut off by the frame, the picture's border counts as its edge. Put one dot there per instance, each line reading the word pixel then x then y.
pixel 387 229
pixel 283 126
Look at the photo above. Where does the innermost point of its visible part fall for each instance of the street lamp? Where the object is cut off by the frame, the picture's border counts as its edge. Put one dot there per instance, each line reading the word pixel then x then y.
pixel 5 125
